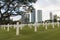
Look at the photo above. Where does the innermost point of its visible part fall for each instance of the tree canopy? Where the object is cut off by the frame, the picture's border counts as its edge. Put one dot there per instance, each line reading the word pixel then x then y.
pixel 15 7
pixel 11 6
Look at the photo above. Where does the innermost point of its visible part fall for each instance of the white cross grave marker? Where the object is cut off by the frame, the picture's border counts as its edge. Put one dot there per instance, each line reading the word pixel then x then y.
pixel 17 29
pixel 8 27
pixel 46 25
pixel 58 24
pixel 35 27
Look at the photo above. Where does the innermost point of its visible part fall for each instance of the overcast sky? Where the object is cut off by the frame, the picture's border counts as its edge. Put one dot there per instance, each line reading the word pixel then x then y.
pixel 46 6
pixel 46 3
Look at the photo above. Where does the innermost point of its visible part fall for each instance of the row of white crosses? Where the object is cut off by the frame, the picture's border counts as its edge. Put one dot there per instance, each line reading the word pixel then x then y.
pixel 20 26
pixel 4 27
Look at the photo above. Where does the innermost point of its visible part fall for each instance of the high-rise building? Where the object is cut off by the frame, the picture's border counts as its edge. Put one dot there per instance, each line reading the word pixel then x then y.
pixel 51 15
pixel 32 17
pixel 39 16
pixel 27 18
pixel 35 16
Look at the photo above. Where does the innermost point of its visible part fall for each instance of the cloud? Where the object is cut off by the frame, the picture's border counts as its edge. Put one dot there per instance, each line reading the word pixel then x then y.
pixel 42 3
pixel 52 8
pixel 15 18
pixel 54 2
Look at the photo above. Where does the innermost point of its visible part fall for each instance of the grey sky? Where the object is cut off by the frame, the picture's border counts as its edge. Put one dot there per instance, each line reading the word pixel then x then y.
pixel 46 6
pixel 44 3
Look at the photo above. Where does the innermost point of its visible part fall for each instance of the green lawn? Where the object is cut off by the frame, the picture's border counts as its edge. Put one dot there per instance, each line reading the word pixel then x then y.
pixel 29 34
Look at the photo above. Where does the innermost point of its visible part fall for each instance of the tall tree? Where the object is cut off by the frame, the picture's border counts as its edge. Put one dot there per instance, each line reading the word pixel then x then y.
pixel 15 7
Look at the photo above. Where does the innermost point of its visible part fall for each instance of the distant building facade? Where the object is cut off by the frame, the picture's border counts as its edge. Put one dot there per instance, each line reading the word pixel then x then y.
pixel 35 16
pixel 32 19
pixel 25 18
pixel 51 16
pixel 39 16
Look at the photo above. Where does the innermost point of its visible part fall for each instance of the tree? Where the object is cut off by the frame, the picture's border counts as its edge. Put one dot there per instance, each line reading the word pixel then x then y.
pixel 15 7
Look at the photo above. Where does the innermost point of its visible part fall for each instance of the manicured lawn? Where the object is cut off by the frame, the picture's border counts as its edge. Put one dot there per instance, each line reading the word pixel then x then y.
pixel 29 34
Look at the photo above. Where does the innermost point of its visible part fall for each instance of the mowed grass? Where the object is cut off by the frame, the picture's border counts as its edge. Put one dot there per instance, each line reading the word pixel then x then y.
pixel 28 34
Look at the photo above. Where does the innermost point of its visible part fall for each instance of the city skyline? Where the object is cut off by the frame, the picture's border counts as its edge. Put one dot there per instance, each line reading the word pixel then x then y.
pixel 47 6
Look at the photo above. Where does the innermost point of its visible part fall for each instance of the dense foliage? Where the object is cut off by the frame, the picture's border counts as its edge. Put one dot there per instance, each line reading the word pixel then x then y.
pixel 15 7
